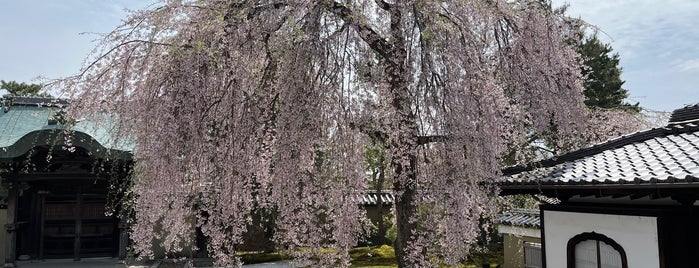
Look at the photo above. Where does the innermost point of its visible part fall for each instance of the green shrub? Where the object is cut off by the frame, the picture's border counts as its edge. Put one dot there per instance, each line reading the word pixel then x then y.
pixel 391 234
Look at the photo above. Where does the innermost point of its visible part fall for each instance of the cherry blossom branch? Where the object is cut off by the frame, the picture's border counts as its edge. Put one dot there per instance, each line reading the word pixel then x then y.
pixel 374 134
pixel 422 140
pixel 93 63
pixel 381 136
pixel 255 9
pixel 383 4
pixel 369 35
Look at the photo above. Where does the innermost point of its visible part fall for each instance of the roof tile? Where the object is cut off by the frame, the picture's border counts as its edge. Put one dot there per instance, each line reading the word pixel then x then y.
pixel 521 217
pixel 662 155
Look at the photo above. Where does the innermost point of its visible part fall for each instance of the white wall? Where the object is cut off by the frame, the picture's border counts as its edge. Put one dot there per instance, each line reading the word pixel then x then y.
pixel 638 235
pixel 519 231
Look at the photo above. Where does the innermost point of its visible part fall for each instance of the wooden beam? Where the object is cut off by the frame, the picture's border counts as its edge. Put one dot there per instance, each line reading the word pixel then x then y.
pixel 637 196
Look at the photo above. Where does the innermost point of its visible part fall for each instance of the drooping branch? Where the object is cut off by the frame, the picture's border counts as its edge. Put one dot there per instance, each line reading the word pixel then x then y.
pixel 375 135
pixel 103 56
pixel 381 137
pixel 255 9
pixel 369 35
pixel 422 140
pixel 383 4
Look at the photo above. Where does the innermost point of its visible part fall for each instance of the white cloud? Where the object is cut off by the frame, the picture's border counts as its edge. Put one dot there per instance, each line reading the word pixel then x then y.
pixel 657 42
pixel 690 65
pixel 636 28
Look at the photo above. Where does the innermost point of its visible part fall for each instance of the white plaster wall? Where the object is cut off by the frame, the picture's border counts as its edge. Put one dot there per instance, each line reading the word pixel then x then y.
pixel 519 231
pixel 638 235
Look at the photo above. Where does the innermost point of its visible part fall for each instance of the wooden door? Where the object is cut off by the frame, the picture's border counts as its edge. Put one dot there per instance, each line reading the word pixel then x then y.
pixel 75 226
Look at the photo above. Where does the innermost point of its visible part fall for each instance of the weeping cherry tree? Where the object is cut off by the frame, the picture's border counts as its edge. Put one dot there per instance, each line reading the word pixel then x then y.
pixel 235 106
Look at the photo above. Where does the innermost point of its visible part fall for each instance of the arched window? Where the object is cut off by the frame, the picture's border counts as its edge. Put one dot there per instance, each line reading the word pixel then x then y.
pixel 593 250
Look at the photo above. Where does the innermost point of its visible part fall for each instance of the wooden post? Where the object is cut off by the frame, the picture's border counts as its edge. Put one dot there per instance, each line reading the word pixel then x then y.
pixel 42 203
pixel 123 239
pixel 11 226
pixel 689 230
pixel 78 227
pixel 687 242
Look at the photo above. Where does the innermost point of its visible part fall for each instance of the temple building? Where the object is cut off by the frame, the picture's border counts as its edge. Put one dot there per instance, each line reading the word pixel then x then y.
pixel 55 187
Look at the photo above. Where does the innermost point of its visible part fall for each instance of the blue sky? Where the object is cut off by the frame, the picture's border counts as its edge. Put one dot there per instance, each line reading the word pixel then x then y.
pixel 657 40
pixel 658 43
pixel 51 38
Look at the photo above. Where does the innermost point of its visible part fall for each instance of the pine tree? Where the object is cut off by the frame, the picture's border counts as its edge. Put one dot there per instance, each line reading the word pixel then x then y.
pixel 22 89
pixel 603 84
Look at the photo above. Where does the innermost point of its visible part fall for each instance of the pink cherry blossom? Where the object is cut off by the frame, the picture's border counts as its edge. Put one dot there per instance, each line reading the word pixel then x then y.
pixel 240 105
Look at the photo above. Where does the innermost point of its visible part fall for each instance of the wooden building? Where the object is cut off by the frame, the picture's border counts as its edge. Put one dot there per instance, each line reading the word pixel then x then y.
pixel 628 202
pixel 55 187
pixel 521 235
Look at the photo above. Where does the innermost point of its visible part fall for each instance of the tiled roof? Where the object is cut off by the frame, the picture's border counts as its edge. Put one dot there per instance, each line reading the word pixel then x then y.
pixel 686 113
pixel 521 217
pixel 26 123
pixel 370 198
pixel 663 155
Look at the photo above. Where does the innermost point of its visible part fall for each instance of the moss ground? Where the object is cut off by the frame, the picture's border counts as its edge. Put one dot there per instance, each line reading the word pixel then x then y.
pixel 252 258
pixel 375 257
pixel 372 257
pixel 384 257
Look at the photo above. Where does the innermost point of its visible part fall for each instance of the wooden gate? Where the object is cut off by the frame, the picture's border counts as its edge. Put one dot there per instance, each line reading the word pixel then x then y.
pixel 76 226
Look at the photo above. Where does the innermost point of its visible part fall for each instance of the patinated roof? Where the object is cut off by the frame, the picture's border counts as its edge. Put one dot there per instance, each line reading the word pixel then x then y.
pixel 666 155
pixel 28 122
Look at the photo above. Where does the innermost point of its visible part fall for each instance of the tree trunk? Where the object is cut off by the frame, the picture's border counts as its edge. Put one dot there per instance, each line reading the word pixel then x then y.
pixel 379 202
pixel 402 142
pixel 405 209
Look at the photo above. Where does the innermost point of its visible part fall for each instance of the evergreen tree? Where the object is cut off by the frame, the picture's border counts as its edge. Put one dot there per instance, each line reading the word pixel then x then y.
pixel 603 84
pixel 22 89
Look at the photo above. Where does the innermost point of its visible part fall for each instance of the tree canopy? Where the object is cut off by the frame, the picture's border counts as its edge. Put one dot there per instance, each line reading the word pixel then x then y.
pixel 22 89
pixel 239 104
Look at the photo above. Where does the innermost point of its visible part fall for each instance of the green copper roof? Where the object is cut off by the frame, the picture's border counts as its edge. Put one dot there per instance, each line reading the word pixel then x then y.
pixel 23 127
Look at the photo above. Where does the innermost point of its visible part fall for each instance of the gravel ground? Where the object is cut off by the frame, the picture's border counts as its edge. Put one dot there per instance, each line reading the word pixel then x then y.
pixel 114 263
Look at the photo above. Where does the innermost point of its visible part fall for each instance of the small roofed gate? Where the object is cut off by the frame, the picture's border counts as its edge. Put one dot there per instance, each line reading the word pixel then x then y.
pixel 58 184
pixel 60 206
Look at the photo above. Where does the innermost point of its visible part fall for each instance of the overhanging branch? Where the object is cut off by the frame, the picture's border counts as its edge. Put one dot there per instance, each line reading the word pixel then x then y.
pixel 369 35
pixel 254 11
pixel 382 4
pixel 374 134
pixel 422 140
pixel 101 57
